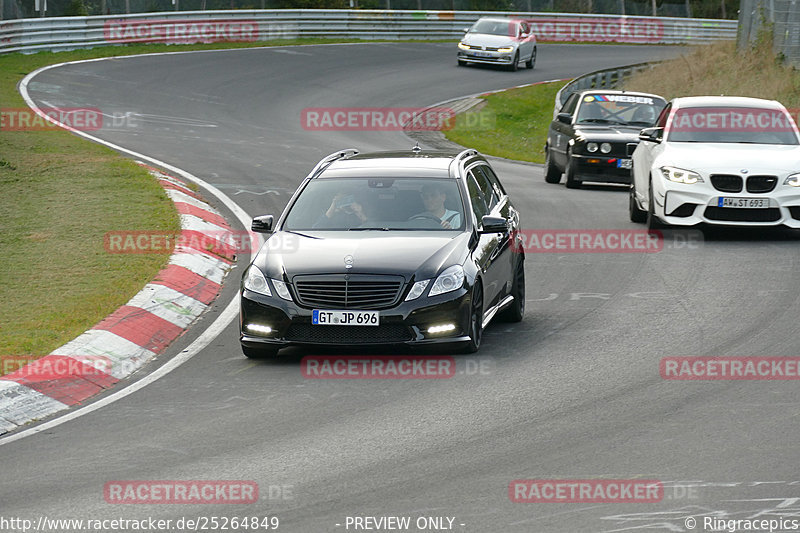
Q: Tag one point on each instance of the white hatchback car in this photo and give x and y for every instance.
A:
(718, 160)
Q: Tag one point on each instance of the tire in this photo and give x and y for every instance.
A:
(571, 183)
(475, 320)
(264, 352)
(532, 61)
(516, 310)
(653, 222)
(515, 63)
(551, 172)
(637, 214)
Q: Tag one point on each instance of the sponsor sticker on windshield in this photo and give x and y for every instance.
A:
(619, 98)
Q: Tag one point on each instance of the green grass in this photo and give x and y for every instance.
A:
(60, 195)
(512, 124)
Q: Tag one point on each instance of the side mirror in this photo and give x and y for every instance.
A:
(564, 118)
(465, 30)
(494, 224)
(652, 135)
(262, 224)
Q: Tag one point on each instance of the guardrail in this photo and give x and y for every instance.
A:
(179, 27)
(608, 78)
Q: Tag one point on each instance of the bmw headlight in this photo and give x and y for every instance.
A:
(450, 280)
(793, 180)
(463, 46)
(679, 175)
(506, 49)
(591, 147)
(256, 282)
(605, 148)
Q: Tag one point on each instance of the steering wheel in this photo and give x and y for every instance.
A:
(423, 216)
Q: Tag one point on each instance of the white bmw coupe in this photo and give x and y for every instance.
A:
(718, 160)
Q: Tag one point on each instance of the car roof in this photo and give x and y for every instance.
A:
(423, 164)
(499, 19)
(626, 93)
(732, 101)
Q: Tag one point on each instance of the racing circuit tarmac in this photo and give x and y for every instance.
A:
(572, 392)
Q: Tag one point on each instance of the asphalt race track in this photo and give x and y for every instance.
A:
(573, 392)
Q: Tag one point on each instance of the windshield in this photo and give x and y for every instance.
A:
(377, 204)
(641, 111)
(492, 27)
(725, 124)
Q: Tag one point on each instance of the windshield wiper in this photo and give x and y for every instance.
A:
(598, 121)
(301, 234)
(368, 229)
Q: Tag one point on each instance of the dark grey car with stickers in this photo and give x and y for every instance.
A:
(595, 132)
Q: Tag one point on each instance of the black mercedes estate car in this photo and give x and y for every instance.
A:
(399, 248)
(594, 133)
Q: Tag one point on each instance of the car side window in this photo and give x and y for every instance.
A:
(569, 105)
(489, 194)
(493, 180)
(476, 197)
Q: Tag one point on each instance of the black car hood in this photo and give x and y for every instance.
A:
(611, 133)
(420, 253)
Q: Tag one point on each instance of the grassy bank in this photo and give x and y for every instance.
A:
(60, 195)
(721, 69)
(512, 124)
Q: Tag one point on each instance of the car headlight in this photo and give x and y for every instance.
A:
(793, 180)
(463, 46)
(605, 148)
(506, 49)
(679, 175)
(591, 147)
(417, 289)
(450, 280)
(282, 289)
(256, 282)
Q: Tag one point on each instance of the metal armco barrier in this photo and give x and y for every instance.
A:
(609, 78)
(69, 33)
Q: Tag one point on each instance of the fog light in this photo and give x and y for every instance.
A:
(258, 328)
(441, 328)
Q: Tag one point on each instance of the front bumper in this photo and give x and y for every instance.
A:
(405, 324)
(601, 168)
(687, 205)
(493, 58)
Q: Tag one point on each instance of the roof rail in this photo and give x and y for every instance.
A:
(327, 160)
(466, 153)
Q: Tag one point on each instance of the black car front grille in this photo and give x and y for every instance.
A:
(348, 291)
(761, 184)
(727, 182)
(733, 214)
(382, 334)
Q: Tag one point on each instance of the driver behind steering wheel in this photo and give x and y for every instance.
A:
(433, 198)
